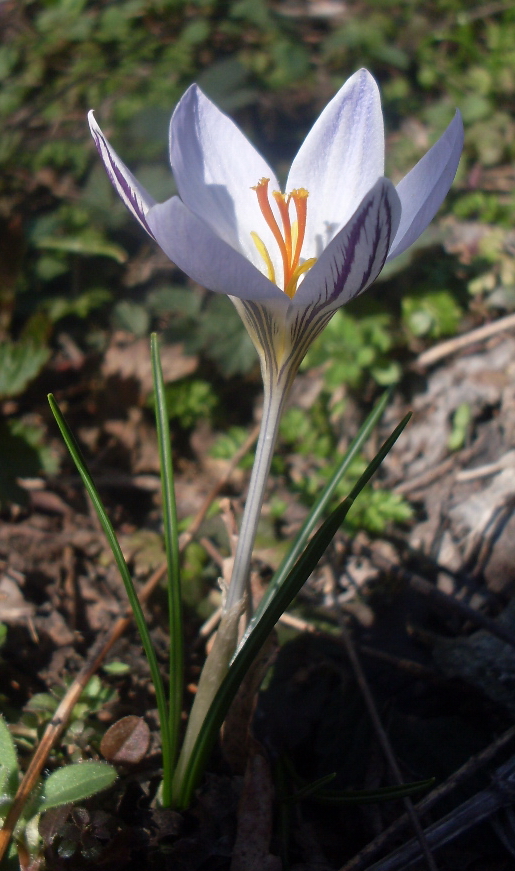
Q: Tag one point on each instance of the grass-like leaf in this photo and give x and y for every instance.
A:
(266, 621)
(134, 602)
(171, 535)
(371, 796)
(317, 512)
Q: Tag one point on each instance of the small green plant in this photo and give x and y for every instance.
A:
(67, 785)
(310, 435)
(460, 427)
(81, 730)
(228, 443)
(29, 456)
(350, 348)
(181, 773)
(433, 314)
(189, 401)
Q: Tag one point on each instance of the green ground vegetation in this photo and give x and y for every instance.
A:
(74, 264)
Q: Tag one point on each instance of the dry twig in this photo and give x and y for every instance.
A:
(445, 349)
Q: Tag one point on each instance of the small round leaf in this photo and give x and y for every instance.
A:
(126, 741)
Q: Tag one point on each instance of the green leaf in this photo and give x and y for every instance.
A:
(76, 782)
(432, 314)
(88, 244)
(170, 730)
(321, 506)
(23, 454)
(223, 338)
(77, 306)
(365, 796)
(116, 550)
(460, 427)
(132, 317)
(8, 763)
(20, 363)
(189, 400)
(274, 607)
(116, 668)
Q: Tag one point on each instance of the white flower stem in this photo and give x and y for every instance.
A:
(273, 402)
(217, 663)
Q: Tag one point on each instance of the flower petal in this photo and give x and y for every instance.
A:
(340, 160)
(134, 195)
(423, 189)
(355, 257)
(215, 167)
(206, 258)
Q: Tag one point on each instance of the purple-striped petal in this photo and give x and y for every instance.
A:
(355, 257)
(424, 188)
(206, 258)
(134, 195)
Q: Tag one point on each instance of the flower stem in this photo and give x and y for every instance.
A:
(216, 666)
(274, 398)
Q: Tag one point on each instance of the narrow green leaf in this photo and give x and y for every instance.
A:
(137, 610)
(75, 783)
(88, 244)
(371, 796)
(276, 606)
(171, 533)
(318, 510)
(309, 789)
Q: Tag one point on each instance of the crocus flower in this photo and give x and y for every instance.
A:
(287, 260)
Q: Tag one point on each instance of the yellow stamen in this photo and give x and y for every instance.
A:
(300, 198)
(291, 288)
(294, 234)
(290, 240)
(261, 247)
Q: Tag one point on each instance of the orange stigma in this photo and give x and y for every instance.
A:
(290, 239)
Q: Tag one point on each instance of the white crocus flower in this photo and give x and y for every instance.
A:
(287, 260)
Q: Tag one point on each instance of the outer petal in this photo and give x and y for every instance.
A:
(423, 189)
(355, 257)
(135, 197)
(215, 167)
(206, 258)
(340, 160)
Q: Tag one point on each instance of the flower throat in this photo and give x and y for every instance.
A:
(290, 239)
